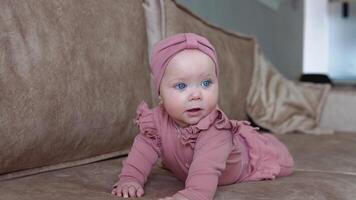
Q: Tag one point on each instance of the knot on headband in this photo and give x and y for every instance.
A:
(191, 42)
(166, 49)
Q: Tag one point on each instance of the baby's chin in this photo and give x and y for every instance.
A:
(192, 120)
(187, 122)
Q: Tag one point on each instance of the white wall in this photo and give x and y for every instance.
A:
(342, 33)
(279, 32)
(316, 37)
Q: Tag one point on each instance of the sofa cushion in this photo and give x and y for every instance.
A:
(71, 76)
(235, 52)
(323, 153)
(301, 185)
(340, 110)
(94, 181)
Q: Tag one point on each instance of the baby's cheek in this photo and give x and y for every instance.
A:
(212, 99)
(173, 103)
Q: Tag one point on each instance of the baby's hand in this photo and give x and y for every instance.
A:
(126, 190)
(174, 197)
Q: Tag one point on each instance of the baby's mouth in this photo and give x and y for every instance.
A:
(194, 110)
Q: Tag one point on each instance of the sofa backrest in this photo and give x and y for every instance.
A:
(71, 75)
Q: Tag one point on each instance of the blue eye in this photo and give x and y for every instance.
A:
(180, 86)
(206, 83)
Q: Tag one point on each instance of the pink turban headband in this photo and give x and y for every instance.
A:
(166, 49)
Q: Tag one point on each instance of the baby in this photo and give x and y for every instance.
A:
(192, 136)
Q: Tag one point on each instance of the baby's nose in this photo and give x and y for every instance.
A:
(195, 94)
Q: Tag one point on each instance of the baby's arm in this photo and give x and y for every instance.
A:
(136, 168)
(209, 161)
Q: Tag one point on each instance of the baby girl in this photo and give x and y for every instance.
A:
(191, 134)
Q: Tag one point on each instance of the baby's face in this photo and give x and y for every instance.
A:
(189, 87)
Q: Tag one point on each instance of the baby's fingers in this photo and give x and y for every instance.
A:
(132, 191)
(139, 192)
(116, 191)
(128, 190)
(125, 191)
(113, 191)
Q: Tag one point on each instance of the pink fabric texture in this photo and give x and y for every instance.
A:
(164, 51)
(216, 151)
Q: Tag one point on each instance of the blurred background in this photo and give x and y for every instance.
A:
(298, 36)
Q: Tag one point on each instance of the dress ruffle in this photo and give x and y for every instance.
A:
(190, 134)
(268, 157)
(216, 118)
(145, 121)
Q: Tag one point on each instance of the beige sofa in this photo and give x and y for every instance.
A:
(71, 75)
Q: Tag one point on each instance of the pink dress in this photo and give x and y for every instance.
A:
(216, 151)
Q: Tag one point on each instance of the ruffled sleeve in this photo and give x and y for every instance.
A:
(146, 123)
(145, 150)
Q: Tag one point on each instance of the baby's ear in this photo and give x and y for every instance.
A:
(160, 101)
